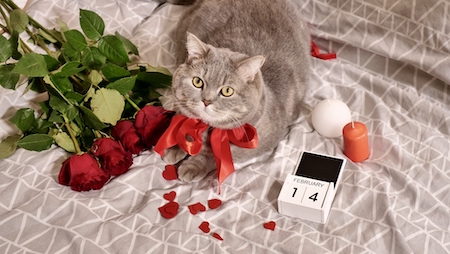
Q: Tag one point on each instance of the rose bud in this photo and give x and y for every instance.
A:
(112, 156)
(82, 173)
(151, 122)
(127, 134)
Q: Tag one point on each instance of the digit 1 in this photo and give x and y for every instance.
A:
(295, 191)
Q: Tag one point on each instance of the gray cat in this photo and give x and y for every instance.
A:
(241, 61)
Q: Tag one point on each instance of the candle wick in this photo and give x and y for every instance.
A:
(353, 124)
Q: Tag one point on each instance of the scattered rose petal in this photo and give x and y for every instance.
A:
(170, 173)
(204, 227)
(195, 208)
(217, 236)
(170, 196)
(270, 225)
(169, 210)
(214, 203)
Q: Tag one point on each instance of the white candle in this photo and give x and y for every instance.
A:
(329, 117)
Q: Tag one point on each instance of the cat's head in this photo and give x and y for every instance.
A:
(218, 86)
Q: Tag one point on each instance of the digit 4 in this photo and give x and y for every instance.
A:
(314, 197)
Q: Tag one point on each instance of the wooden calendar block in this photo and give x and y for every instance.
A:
(309, 193)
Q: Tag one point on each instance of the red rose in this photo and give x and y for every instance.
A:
(151, 122)
(127, 134)
(82, 173)
(112, 156)
(169, 210)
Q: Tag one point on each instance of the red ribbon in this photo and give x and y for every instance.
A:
(315, 52)
(187, 134)
(182, 131)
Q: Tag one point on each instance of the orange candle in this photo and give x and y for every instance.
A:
(356, 141)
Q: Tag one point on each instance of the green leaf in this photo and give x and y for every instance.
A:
(45, 107)
(87, 138)
(123, 85)
(14, 40)
(5, 49)
(76, 39)
(71, 112)
(159, 69)
(57, 103)
(95, 78)
(91, 24)
(8, 79)
(74, 97)
(63, 140)
(69, 53)
(75, 129)
(19, 20)
(36, 84)
(52, 63)
(108, 105)
(36, 142)
(113, 72)
(55, 34)
(47, 36)
(128, 44)
(91, 119)
(41, 126)
(61, 82)
(8, 146)
(31, 65)
(155, 79)
(55, 117)
(114, 50)
(23, 119)
(92, 58)
(71, 68)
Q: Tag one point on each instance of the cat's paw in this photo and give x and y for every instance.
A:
(174, 155)
(190, 172)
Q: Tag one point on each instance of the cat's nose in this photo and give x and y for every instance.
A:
(206, 102)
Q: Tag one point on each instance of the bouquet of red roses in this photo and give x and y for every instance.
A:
(100, 106)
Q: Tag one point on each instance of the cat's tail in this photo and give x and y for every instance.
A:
(177, 2)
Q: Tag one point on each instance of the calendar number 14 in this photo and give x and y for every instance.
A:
(313, 197)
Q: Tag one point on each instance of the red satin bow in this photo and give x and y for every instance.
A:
(187, 133)
(315, 52)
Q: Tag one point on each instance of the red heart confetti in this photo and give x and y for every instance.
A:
(169, 210)
(214, 203)
(217, 236)
(270, 225)
(204, 227)
(170, 196)
(195, 208)
(170, 172)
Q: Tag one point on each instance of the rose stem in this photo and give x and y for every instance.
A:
(9, 30)
(127, 97)
(34, 23)
(72, 136)
(8, 24)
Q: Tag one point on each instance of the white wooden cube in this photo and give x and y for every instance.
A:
(309, 193)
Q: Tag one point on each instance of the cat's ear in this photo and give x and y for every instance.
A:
(248, 68)
(195, 47)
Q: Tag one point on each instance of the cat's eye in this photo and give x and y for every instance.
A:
(197, 82)
(227, 91)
